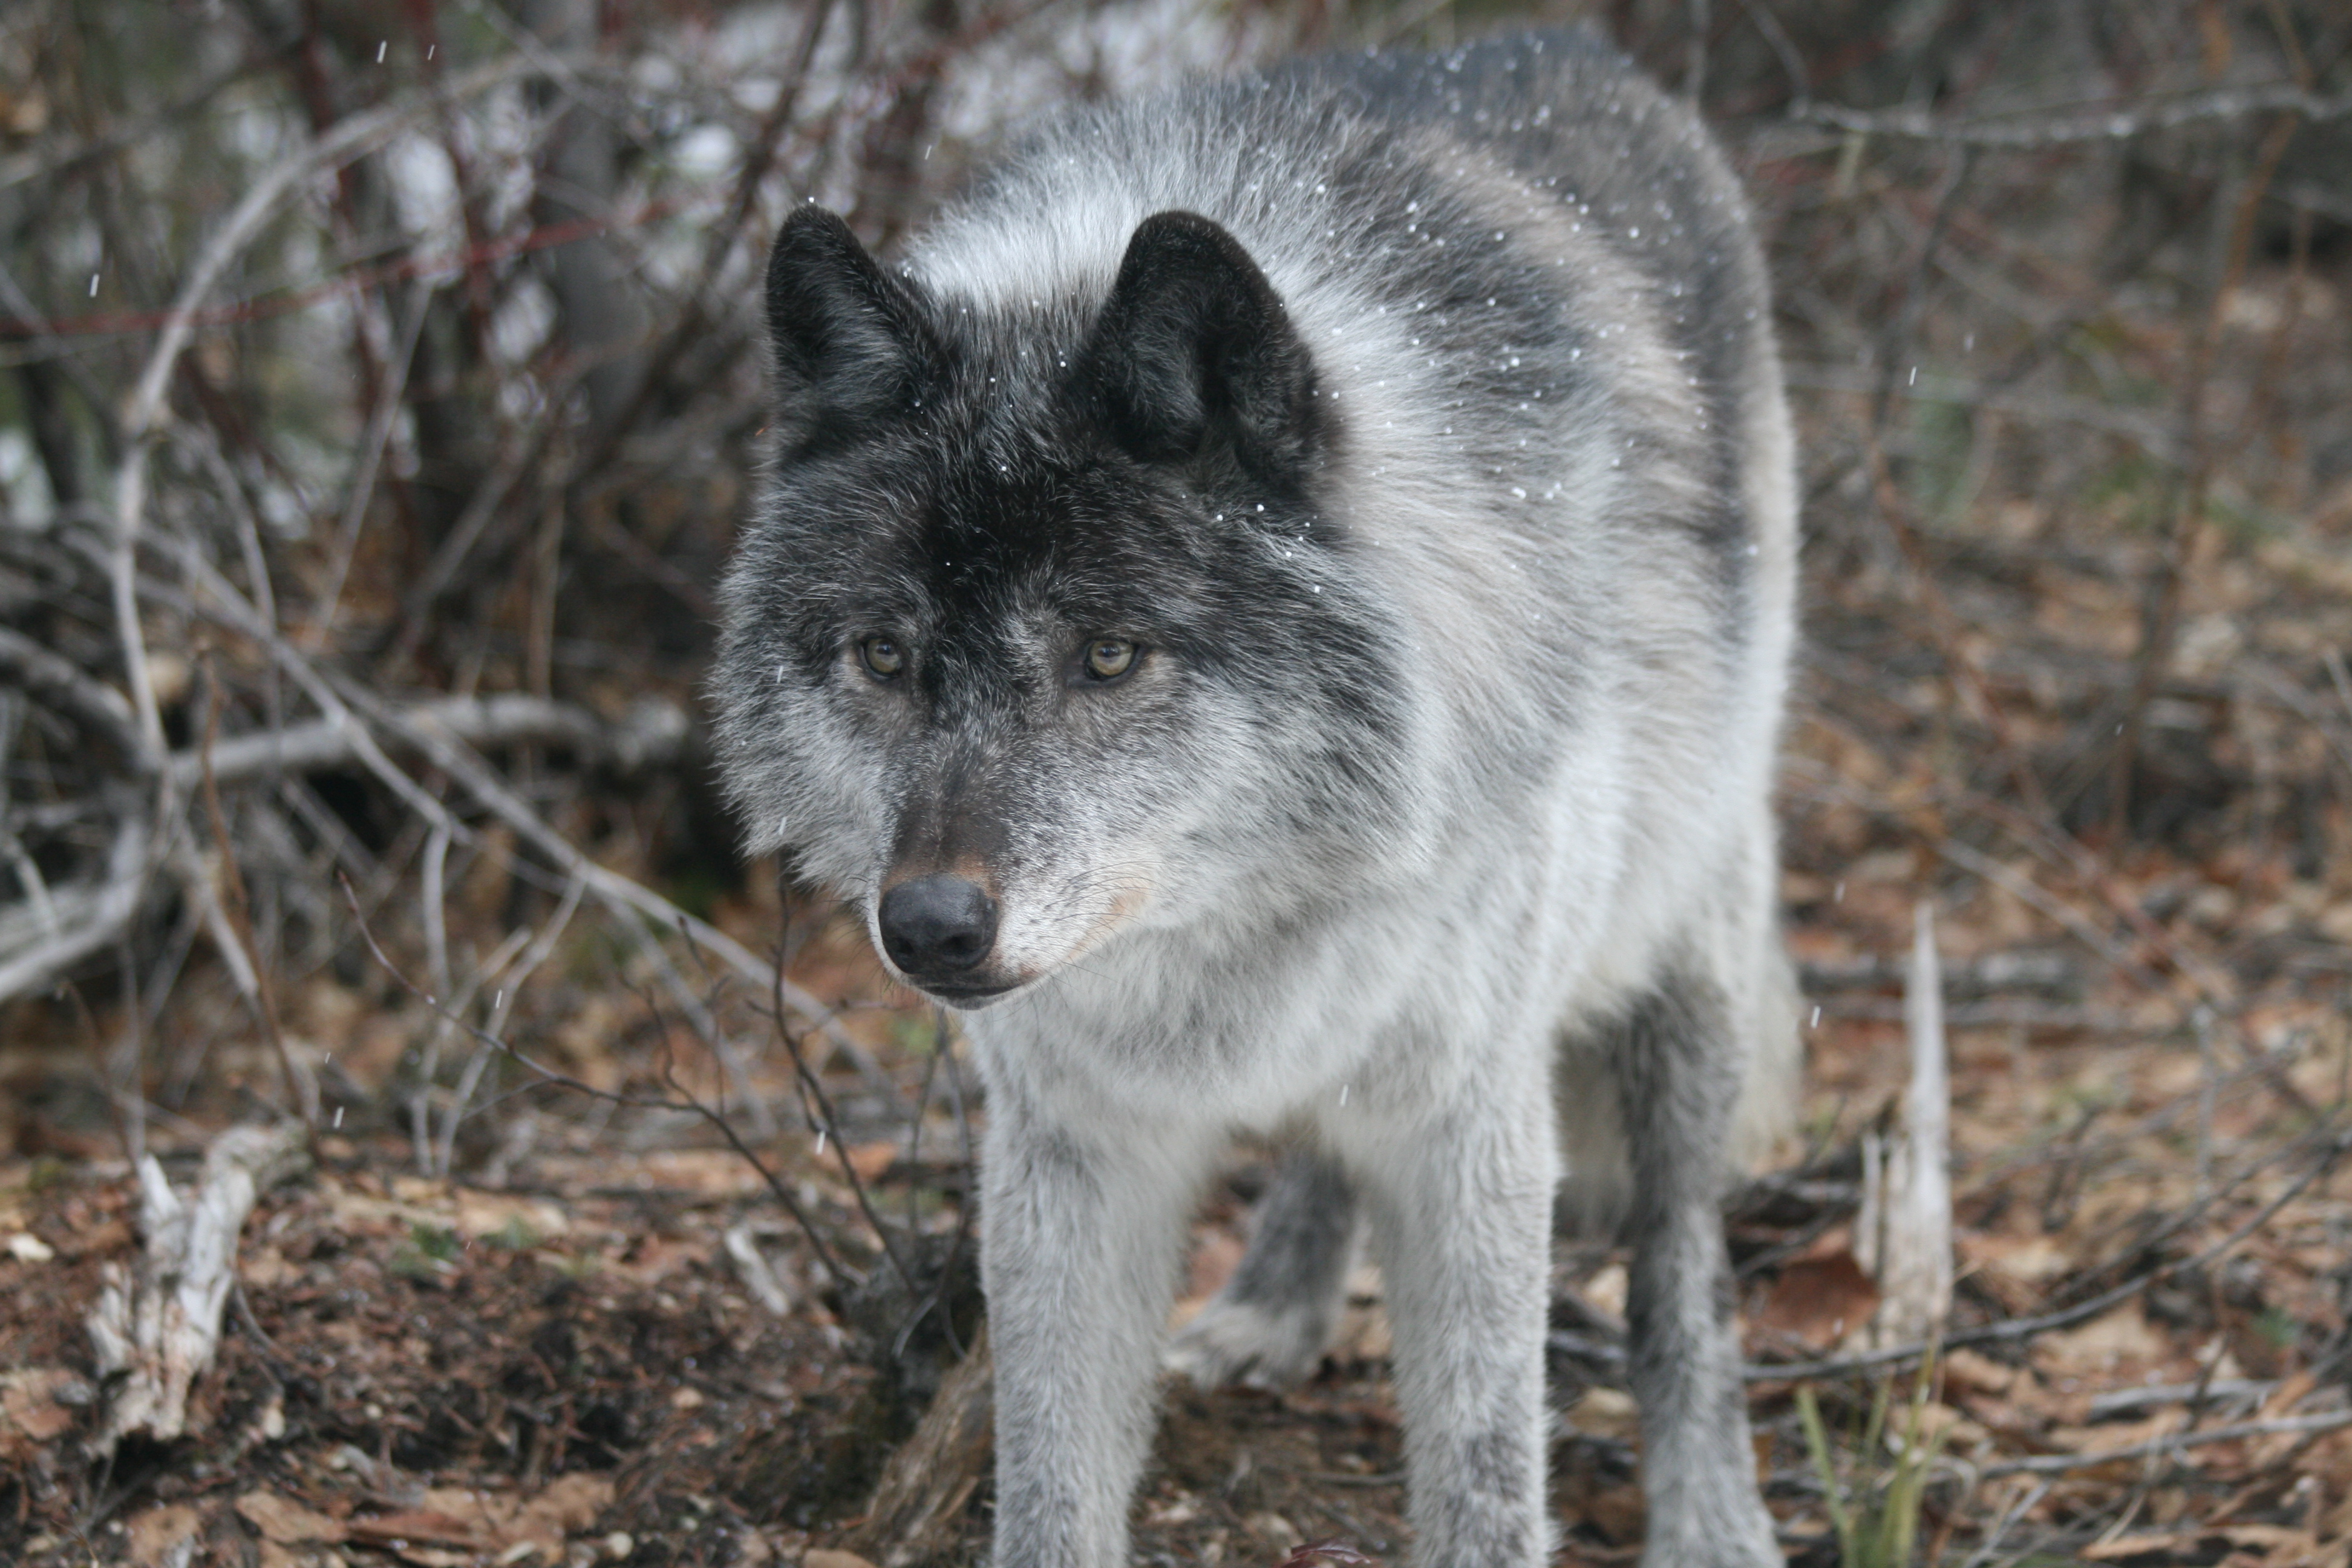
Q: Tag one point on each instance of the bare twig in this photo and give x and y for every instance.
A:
(2030, 129)
(2057, 1464)
(776, 1187)
(509, 984)
(301, 1087)
(653, 734)
(82, 919)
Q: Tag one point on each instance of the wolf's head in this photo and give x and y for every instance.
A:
(1042, 632)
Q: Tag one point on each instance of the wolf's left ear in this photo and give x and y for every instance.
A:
(1194, 345)
(849, 339)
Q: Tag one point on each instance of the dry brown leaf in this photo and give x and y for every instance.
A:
(483, 1213)
(30, 1413)
(1605, 1413)
(2137, 1543)
(286, 1523)
(2278, 1542)
(2113, 1435)
(566, 1506)
(417, 1527)
(822, 1558)
(873, 1161)
(2113, 1347)
(1619, 1512)
(1974, 1372)
(156, 1532)
(1814, 1302)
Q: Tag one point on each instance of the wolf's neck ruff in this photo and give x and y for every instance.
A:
(1283, 590)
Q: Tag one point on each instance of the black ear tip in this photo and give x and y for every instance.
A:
(812, 231)
(1187, 237)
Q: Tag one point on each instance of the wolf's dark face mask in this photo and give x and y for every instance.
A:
(1040, 595)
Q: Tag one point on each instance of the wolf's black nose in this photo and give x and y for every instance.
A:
(938, 925)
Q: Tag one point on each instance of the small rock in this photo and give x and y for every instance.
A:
(1274, 1530)
(26, 1248)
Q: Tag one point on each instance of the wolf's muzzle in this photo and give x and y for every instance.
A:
(938, 930)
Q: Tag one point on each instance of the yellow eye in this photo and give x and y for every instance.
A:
(1109, 658)
(882, 656)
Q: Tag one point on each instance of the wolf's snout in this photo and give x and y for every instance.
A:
(934, 926)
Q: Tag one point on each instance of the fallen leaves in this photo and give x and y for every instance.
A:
(449, 1526)
(1816, 1303)
(37, 1406)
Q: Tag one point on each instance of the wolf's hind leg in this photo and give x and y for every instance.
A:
(1269, 1324)
(1678, 1069)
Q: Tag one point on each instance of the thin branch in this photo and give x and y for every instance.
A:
(654, 735)
(2055, 1464)
(144, 409)
(89, 916)
(776, 1187)
(2048, 130)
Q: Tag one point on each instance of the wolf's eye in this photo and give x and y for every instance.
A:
(1109, 658)
(882, 657)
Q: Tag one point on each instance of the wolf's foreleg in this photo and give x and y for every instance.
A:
(1269, 1324)
(1678, 1075)
(1079, 1229)
(1461, 1204)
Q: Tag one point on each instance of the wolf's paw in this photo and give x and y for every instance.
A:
(1743, 1541)
(1246, 1343)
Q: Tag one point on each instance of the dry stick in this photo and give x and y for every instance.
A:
(501, 1007)
(811, 1088)
(2017, 1511)
(30, 328)
(2044, 130)
(2065, 1317)
(100, 913)
(430, 1160)
(2160, 621)
(2053, 1464)
(2211, 984)
(301, 1087)
(1800, 85)
(461, 763)
(145, 409)
(942, 1049)
(502, 718)
(433, 898)
(59, 683)
(389, 393)
(757, 163)
(613, 890)
(231, 609)
(475, 520)
(691, 1103)
(2028, 891)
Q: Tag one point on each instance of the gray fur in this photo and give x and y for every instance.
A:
(1429, 445)
(1269, 1324)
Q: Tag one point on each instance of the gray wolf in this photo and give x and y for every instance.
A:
(1278, 604)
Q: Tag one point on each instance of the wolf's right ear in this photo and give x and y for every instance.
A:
(1194, 344)
(849, 339)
